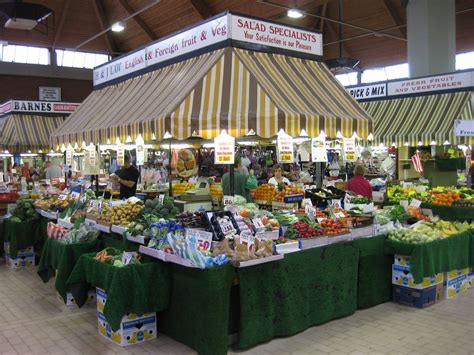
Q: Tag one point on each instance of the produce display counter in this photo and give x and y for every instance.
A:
(58, 259)
(138, 288)
(451, 213)
(451, 253)
(22, 235)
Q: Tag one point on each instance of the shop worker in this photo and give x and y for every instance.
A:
(240, 182)
(359, 184)
(127, 177)
(52, 171)
(278, 179)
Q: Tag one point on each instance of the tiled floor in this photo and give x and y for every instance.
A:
(33, 321)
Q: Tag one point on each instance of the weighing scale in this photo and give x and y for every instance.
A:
(197, 199)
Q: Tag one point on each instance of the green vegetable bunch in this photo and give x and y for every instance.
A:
(24, 210)
(166, 210)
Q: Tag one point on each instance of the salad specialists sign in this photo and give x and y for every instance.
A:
(218, 30)
(275, 35)
(284, 147)
(38, 107)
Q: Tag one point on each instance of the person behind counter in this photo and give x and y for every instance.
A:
(127, 177)
(278, 177)
(240, 182)
(359, 184)
(52, 171)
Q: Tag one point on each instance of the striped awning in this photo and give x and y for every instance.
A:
(23, 132)
(420, 119)
(230, 89)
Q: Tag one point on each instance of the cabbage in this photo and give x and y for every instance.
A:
(239, 200)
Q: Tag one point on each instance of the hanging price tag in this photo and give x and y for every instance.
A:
(204, 239)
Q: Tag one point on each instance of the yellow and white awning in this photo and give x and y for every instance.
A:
(230, 89)
(23, 132)
(420, 119)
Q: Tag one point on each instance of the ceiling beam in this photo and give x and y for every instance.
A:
(201, 8)
(305, 6)
(62, 20)
(104, 23)
(151, 35)
(397, 19)
(323, 15)
(331, 26)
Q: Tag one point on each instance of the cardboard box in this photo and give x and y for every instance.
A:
(402, 276)
(402, 260)
(453, 274)
(418, 298)
(131, 332)
(101, 298)
(454, 287)
(22, 252)
(71, 302)
(25, 260)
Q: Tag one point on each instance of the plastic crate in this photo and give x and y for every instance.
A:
(418, 298)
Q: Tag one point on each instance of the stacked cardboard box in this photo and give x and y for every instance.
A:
(134, 328)
(25, 257)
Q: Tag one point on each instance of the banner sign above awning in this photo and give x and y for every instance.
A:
(37, 107)
(241, 29)
(464, 128)
(445, 82)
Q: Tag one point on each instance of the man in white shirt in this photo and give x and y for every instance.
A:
(52, 171)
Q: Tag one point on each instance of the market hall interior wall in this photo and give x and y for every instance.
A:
(21, 81)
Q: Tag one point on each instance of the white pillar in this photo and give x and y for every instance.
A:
(431, 37)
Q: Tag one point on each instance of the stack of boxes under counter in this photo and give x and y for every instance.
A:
(24, 258)
(134, 328)
(431, 290)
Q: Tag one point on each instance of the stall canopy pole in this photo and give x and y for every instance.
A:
(232, 187)
(169, 171)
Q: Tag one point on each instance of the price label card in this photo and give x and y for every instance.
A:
(311, 212)
(427, 212)
(161, 199)
(404, 203)
(247, 239)
(257, 222)
(339, 215)
(415, 203)
(320, 219)
(228, 200)
(62, 197)
(336, 203)
(127, 257)
(227, 227)
(204, 239)
(75, 195)
(307, 202)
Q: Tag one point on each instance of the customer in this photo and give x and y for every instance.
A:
(359, 184)
(52, 171)
(240, 182)
(278, 179)
(127, 177)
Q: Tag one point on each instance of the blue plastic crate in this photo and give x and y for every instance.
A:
(418, 298)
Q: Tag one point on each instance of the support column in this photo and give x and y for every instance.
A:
(431, 37)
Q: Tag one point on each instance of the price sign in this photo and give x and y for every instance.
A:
(339, 215)
(92, 155)
(320, 219)
(285, 148)
(415, 203)
(62, 197)
(311, 212)
(127, 257)
(336, 203)
(427, 212)
(161, 199)
(247, 239)
(204, 239)
(226, 227)
(404, 203)
(75, 195)
(120, 154)
(228, 200)
(69, 155)
(349, 149)
(258, 224)
(318, 150)
(224, 149)
(307, 202)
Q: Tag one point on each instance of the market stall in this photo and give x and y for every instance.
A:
(430, 115)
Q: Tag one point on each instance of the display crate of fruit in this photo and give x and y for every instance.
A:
(322, 197)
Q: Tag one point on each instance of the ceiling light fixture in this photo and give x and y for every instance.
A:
(295, 13)
(118, 26)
